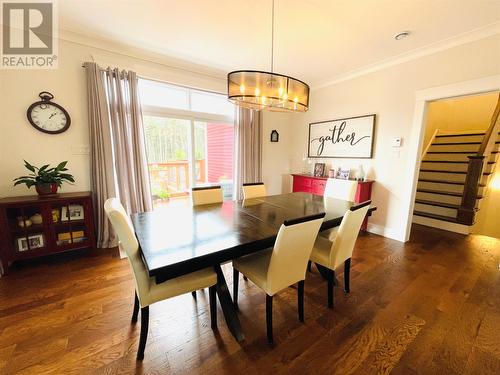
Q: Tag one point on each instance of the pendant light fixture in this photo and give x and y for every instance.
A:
(258, 90)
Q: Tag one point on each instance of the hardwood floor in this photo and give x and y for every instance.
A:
(431, 306)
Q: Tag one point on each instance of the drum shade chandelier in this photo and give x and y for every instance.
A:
(258, 90)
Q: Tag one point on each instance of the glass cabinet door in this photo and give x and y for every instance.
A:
(68, 221)
(27, 228)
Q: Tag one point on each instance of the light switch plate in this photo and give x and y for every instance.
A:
(396, 142)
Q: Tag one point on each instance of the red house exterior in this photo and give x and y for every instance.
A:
(220, 152)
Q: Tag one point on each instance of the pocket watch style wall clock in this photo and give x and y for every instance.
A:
(47, 116)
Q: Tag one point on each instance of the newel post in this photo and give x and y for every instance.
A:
(467, 208)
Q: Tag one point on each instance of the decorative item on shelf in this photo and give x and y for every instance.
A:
(343, 138)
(23, 222)
(35, 242)
(331, 173)
(75, 212)
(275, 137)
(55, 215)
(36, 219)
(258, 90)
(319, 169)
(73, 237)
(48, 117)
(45, 179)
(343, 173)
(360, 174)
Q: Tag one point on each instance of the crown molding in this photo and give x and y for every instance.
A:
(467, 37)
(111, 46)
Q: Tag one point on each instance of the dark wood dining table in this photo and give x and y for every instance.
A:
(177, 240)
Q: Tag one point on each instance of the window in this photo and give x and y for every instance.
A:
(189, 138)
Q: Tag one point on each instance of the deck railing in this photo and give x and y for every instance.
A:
(173, 177)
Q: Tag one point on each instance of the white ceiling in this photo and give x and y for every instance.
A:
(315, 40)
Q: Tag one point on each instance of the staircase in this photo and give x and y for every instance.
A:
(454, 175)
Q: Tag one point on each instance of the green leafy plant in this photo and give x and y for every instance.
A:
(160, 193)
(45, 175)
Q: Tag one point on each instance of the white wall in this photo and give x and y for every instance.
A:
(390, 94)
(276, 155)
(19, 88)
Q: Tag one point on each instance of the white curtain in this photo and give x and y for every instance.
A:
(248, 148)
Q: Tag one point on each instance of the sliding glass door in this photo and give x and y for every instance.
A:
(186, 147)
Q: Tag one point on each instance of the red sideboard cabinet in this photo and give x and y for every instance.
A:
(316, 185)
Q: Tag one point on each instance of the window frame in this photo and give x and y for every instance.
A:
(192, 116)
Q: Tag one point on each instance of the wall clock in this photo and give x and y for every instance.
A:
(47, 116)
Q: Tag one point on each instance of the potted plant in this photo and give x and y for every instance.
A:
(46, 179)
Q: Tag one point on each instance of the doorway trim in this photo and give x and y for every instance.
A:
(422, 98)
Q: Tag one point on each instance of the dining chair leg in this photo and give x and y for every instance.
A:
(213, 305)
(136, 308)
(347, 274)
(236, 279)
(330, 279)
(144, 332)
(300, 300)
(309, 267)
(269, 318)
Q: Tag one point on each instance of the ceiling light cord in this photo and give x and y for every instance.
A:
(272, 37)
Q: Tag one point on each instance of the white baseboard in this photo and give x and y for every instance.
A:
(444, 225)
(385, 232)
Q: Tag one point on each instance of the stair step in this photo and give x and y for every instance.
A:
(458, 135)
(452, 152)
(441, 181)
(454, 172)
(451, 182)
(439, 171)
(442, 192)
(445, 161)
(434, 216)
(438, 204)
(456, 143)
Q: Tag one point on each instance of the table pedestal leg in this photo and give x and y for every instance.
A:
(232, 320)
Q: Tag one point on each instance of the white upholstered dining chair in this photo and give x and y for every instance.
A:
(206, 195)
(341, 189)
(254, 190)
(285, 264)
(147, 291)
(330, 254)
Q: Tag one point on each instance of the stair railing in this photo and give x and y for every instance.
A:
(477, 164)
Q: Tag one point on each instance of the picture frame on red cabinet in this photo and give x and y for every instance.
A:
(319, 169)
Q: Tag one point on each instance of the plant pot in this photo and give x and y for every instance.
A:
(46, 189)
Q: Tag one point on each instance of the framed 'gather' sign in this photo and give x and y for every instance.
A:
(343, 138)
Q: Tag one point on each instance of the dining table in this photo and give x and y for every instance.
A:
(175, 240)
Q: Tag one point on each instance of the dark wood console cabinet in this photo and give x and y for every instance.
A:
(31, 226)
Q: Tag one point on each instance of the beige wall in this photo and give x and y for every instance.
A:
(276, 156)
(461, 114)
(390, 94)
